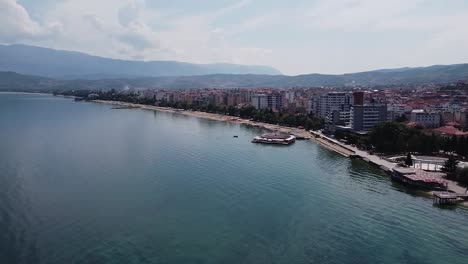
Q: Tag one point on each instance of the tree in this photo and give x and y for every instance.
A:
(408, 160)
(390, 137)
(450, 167)
(401, 119)
(462, 175)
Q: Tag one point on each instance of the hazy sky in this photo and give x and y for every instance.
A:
(294, 36)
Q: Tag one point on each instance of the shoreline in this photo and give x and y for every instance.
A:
(212, 116)
(322, 140)
(10, 92)
(219, 117)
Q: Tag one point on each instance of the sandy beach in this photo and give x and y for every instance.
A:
(218, 117)
(295, 131)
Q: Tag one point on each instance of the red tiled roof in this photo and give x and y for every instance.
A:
(411, 124)
(454, 124)
(420, 175)
(450, 130)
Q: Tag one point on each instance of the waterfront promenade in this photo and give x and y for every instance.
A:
(334, 146)
(355, 152)
(383, 164)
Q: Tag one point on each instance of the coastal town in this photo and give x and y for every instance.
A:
(234, 131)
(441, 109)
(343, 119)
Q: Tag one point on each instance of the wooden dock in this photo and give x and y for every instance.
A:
(448, 198)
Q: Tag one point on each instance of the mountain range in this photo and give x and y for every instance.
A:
(61, 64)
(25, 67)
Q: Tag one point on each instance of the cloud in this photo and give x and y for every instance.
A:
(93, 21)
(448, 43)
(99, 28)
(355, 14)
(130, 12)
(127, 29)
(139, 36)
(327, 36)
(17, 25)
(135, 33)
(230, 8)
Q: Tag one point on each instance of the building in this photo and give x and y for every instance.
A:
(232, 99)
(330, 102)
(313, 105)
(275, 101)
(364, 117)
(290, 96)
(358, 98)
(426, 119)
(267, 101)
(418, 178)
(259, 101)
(397, 110)
(462, 118)
(331, 106)
(447, 117)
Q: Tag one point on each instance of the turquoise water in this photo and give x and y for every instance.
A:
(84, 183)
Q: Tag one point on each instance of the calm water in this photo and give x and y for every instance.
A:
(84, 183)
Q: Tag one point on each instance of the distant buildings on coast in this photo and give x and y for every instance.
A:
(443, 109)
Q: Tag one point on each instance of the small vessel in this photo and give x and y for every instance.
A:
(236, 136)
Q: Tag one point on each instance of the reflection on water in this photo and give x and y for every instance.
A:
(18, 243)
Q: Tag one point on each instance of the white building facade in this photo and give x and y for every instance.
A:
(426, 119)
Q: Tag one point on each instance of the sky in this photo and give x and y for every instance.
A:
(295, 37)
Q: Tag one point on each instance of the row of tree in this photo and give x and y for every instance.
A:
(454, 172)
(308, 121)
(393, 137)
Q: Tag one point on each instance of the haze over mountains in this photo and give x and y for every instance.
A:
(25, 67)
(61, 64)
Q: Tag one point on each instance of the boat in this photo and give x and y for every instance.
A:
(235, 136)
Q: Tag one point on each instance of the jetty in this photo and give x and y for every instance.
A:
(448, 198)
